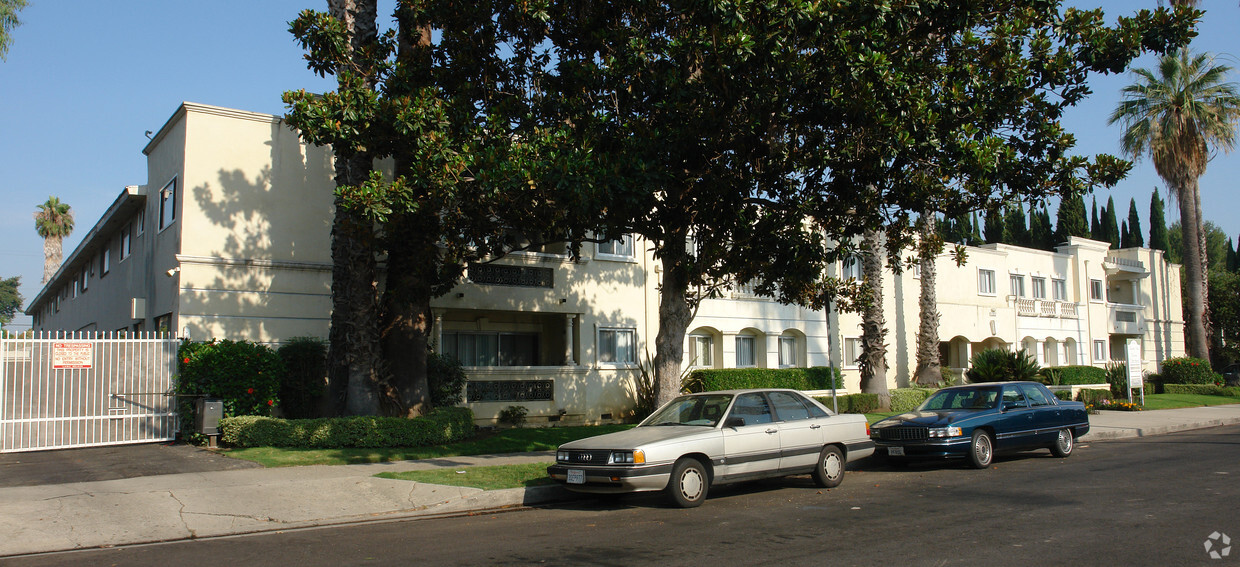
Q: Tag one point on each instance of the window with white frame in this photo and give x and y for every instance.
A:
(851, 268)
(1100, 350)
(1095, 290)
(1059, 290)
(616, 346)
(86, 277)
(701, 350)
(852, 352)
(1017, 284)
(745, 350)
(125, 243)
(1039, 287)
(168, 204)
(787, 352)
(985, 282)
(139, 222)
(620, 248)
(105, 259)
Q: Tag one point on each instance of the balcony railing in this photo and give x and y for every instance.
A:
(1048, 308)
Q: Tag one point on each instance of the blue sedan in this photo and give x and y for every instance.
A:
(978, 420)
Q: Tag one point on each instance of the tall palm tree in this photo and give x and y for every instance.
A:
(1178, 115)
(929, 371)
(53, 222)
(873, 361)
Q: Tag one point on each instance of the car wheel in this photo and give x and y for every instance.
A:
(981, 450)
(689, 483)
(1063, 444)
(830, 470)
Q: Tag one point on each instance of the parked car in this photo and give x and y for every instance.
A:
(978, 420)
(697, 441)
(1231, 375)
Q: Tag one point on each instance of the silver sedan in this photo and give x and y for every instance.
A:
(701, 440)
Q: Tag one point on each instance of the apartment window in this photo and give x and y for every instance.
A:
(1039, 287)
(986, 282)
(76, 284)
(616, 346)
(168, 204)
(851, 268)
(1100, 350)
(105, 259)
(1017, 284)
(744, 351)
(787, 352)
(701, 349)
(1059, 290)
(1095, 290)
(125, 243)
(491, 349)
(139, 222)
(917, 271)
(86, 277)
(852, 352)
(621, 247)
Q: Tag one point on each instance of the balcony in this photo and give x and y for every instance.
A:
(1047, 308)
(1126, 319)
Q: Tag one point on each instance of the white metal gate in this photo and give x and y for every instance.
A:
(86, 389)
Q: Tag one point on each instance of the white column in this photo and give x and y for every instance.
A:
(569, 346)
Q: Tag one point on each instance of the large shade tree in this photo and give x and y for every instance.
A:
(8, 21)
(54, 222)
(1177, 114)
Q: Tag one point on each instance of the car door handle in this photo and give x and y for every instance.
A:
(815, 426)
(772, 431)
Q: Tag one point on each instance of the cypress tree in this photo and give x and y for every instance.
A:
(1158, 223)
(1134, 226)
(975, 231)
(1040, 233)
(1070, 219)
(1095, 229)
(1110, 224)
(1124, 240)
(1015, 227)
(994, 231)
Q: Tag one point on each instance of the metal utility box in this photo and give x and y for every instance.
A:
(208, 414)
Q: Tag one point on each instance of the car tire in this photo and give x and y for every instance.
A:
(689, 483)
(830, 470)
(1064, 443)
(981, 450)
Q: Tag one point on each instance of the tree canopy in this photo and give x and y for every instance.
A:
(10, 299)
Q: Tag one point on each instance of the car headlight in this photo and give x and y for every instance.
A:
(561, 456)
(627, 457)
(945, 432)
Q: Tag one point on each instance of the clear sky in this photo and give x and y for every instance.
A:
(85, 79)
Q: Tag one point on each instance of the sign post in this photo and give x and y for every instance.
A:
(1136, 378)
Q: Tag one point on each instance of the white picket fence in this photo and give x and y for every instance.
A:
(68, 390)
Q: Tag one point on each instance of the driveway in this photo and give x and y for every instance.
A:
(110, 463)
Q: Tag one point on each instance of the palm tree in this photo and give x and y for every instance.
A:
(929, 371)
(1177, 116)
(53, 222)
(873, 361)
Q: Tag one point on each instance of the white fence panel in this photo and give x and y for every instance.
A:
(86, 389)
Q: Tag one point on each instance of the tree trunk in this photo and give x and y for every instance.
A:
(53, 254)
(406, 321)
(873, 331)
(928, 372)
(1196, 338)
(674, 318)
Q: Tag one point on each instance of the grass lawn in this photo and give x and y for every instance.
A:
(1172, 401)
(486, 478)
(506, 441)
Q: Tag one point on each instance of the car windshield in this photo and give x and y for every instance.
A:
(691, 410)
(961, 398)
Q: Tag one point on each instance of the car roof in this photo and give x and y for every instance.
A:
(982, 384)
(742, 391)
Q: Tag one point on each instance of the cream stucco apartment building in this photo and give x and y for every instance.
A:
(230, 238)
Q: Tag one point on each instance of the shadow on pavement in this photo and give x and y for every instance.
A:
(110, 463)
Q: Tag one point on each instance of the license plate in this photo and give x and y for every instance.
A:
(895, 451)
(576, 476)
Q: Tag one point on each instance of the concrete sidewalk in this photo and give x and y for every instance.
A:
(168, 507)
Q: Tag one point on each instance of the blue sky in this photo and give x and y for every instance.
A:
(85, 79)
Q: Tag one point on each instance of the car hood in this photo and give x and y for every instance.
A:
(929, 418)
(640, 437)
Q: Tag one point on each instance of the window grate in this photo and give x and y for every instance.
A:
(510, 390)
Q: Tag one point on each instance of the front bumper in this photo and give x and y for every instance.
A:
(948, 448)
(613, 479)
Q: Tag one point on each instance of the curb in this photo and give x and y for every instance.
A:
(1132, 432)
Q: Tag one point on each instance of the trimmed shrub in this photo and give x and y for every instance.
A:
(246, 376)
(1188, 370)
(1065, 395)
(446, 380)
(1201, 389)
(907, 399)
(853, 403)
(305, 376)
(1117, 377)
(442, 425)
(1093, 397)
(997, 365)
(816, 378)
(1075, 375)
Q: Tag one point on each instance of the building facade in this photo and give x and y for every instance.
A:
(230, 238)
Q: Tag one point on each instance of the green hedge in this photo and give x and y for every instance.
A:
(1093, 397)
(1065, 395)
(1188, 370)
(854, 403)
(1075, 375)
(1201, 389)
(907, 399)
(816, 378)
(443, 425)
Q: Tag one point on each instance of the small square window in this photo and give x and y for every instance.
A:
(852, 352)
(1017, 285)
(986, 282)
(168, 204)
(744, 351)
(1059, 289)
(1100, 351)
(1095, 290)
(616, 346)
(1039, 287)
(787, 352)
(622, 247)
(701, 350)
(851, 268)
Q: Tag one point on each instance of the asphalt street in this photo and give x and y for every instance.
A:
(1148, 501)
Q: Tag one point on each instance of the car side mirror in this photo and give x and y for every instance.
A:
(734, 421)
(1010, 405)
